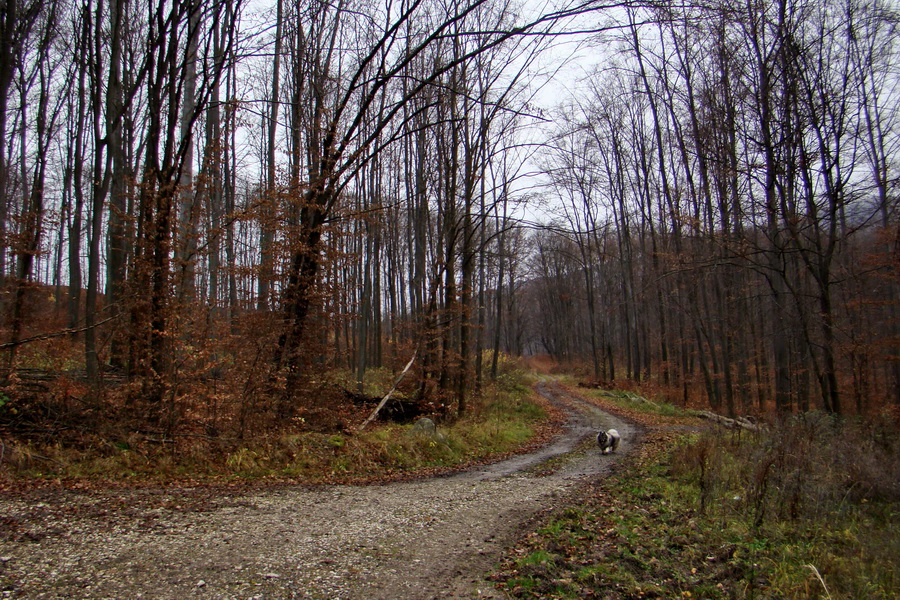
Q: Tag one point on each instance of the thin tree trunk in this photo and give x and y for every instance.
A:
(267, 232)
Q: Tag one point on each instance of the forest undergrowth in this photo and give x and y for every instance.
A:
(805, 508)
(60, 434)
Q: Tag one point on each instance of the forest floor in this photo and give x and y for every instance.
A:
(427, 538)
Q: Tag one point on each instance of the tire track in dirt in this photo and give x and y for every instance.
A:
(428, 538)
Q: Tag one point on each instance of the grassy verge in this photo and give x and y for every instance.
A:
(505, 418)
(808, 509)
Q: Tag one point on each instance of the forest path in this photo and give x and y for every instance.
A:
(428, 538)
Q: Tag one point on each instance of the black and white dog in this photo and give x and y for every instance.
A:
(608, 441)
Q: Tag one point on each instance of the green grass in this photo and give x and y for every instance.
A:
(702, 517)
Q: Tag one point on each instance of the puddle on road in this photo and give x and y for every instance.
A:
(571, 454)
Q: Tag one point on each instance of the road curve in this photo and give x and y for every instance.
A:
(429, 538)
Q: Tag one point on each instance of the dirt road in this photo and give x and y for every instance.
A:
(431, 538)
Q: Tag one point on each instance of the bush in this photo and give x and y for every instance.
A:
(811, 466)
(819, 494)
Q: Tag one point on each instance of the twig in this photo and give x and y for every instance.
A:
(48, 336)
(46, 458)
(821, 580)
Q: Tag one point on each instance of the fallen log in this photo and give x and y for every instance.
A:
(737, 423)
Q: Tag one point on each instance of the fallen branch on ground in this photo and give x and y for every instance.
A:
(391, 392)
(55, 334)
(738, 423)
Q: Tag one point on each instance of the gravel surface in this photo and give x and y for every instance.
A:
(430, 538)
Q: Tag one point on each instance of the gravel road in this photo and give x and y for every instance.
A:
(430, 538)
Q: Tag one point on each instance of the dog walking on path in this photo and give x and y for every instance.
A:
(608, 441)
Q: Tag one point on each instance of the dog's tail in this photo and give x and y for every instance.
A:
(615, 438)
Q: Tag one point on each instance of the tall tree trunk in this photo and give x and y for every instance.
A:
(116, 233)
(16, 21)
(100, 180)
(79, 158)
(33, 208)
(188, 197)
(267, 226)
